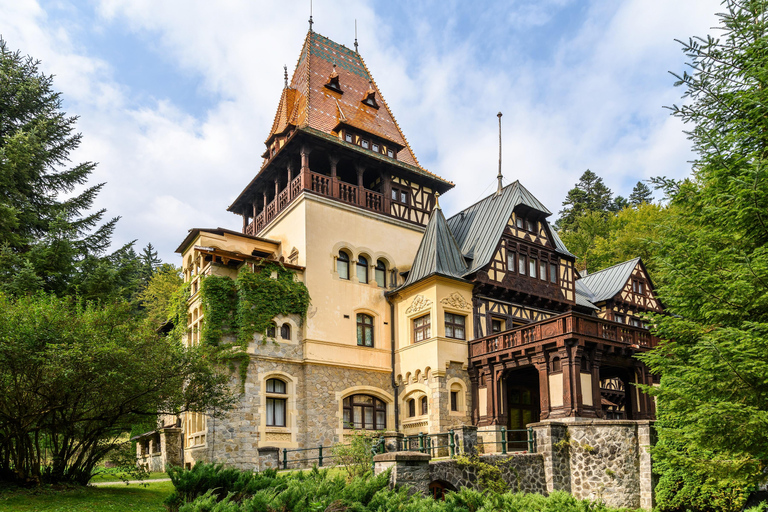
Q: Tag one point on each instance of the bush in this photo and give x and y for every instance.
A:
(356, 457)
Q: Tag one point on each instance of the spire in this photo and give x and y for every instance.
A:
(499, 177)
(356, 37)
(310, 16)
(437, 202)
(285, 76)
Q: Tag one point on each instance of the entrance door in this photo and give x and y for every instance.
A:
(523, 406)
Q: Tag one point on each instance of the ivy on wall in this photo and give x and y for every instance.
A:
(240, 308)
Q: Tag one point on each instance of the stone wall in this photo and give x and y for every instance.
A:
(522, 472)
(598, 460)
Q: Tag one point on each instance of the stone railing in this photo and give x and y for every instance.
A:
(567, 324)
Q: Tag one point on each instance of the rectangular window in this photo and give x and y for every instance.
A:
(530, 225)
(424, 405)
(411, 408)
(552, 273)
(454, 400)
(421, 329)
(454, 326)
(375, 147)
(521, 264)
(497, 325)
(381, 276)
(365, 144)
(390, 153)
(403, 197)
(510, 262)
(519, 222)
(543, 270)
(532, 267)
(348, 137)
(619, 318)
(275, 412)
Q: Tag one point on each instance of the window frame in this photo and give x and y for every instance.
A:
(273, 399)
(543, 269)
(502, 324)
(424, 405)
(377, 405)
(361, 269)
(342, 263)
(425, 329)
(285, 331)
(522, 264)
(553, 271)
(453, 325)
(454, 401)
(533, 267)
(381, 267)
(362, 328)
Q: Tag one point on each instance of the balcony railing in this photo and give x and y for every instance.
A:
(322, 185)
(571, 324)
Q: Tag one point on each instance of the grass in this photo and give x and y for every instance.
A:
(113, 498)
(112, 477)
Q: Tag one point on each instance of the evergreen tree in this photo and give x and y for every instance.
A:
(590, 194)
(150, 262)
(640, 194)
(714, 258)
(49, 242)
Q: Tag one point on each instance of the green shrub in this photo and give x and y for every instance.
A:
(355, 456)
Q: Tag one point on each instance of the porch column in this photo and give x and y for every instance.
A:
(245, 220)
(360, 189)
(540, 363)
(306, 182)
(597, 397)
(574, 373)
(565, 365)
(475, 384)
(265, 201)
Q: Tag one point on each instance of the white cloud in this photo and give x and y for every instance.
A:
(596, 103)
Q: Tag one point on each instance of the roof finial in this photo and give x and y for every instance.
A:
(437, 202)
(310, 16)
(356, 36)
(285, 75)
(499, 177)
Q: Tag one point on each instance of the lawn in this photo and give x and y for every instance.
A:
(114, 498)
(112, 477)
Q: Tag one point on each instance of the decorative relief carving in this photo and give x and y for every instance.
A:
(456, 300)
(278, 436)
(419, 302)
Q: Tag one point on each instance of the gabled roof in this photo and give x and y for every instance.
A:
(315, 106)
(438, 252)
(583, 296)
(478, 228)
(605, 284)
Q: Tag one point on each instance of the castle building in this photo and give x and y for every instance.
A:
(418, 323)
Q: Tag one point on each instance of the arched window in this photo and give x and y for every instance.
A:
(276, 401)
(342, 265)
(411, 407)
(362, 269)
(364, 330)
(381, 274)
(364, 412)
(424, 405)
(271, 330)
(285, 331)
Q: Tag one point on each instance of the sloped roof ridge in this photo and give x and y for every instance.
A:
(438, 252)
(606, 269)
(605, 284)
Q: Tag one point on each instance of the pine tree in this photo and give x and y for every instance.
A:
(45, 238)
(640, 194)
(150, 262)
(590, 194)
(713, 397)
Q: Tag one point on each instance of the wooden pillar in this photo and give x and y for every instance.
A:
(540, 362)
(597, 398)
(577, 404)
(265, 200)
(277, 187)
(306, 182)
(474, 382)
(245, 221)
(386, 188)
(360, 189)
(565, 365)
(489, 389)
(253, 205)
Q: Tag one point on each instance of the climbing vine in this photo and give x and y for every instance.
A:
(239, 308)
(489, 475)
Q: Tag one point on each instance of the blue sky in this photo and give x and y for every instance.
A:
(175, 98)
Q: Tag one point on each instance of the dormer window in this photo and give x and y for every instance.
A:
(530, 225)
(370, 97)
(375, 147)
(348, 137)
(519, 222)
(365, 144)
(390, 153)
(333, 81)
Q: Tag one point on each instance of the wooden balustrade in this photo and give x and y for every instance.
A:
(570, 324)
(347, 192)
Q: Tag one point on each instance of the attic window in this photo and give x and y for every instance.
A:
(333, 81)
(348, 137)
(390, 153)
(370, 97)
(519, 222)
(375, 147)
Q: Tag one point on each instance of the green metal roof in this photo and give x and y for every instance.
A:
(438, 253)
(605, 284)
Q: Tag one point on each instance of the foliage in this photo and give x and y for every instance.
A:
(582, 237)
(246, 305)
(75, 377)
(49, 239)
(355, 456)
(640, 194)
(714, 259)
(322, 491)
(590, 194)
(489, 476)
(156, 298)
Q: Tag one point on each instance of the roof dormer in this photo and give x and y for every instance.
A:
(370, 97)
(333, 81)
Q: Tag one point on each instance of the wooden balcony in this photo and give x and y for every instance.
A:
(330, 187)
(567, 325)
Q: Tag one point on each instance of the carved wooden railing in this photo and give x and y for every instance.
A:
(325, 186)
(565, 324)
